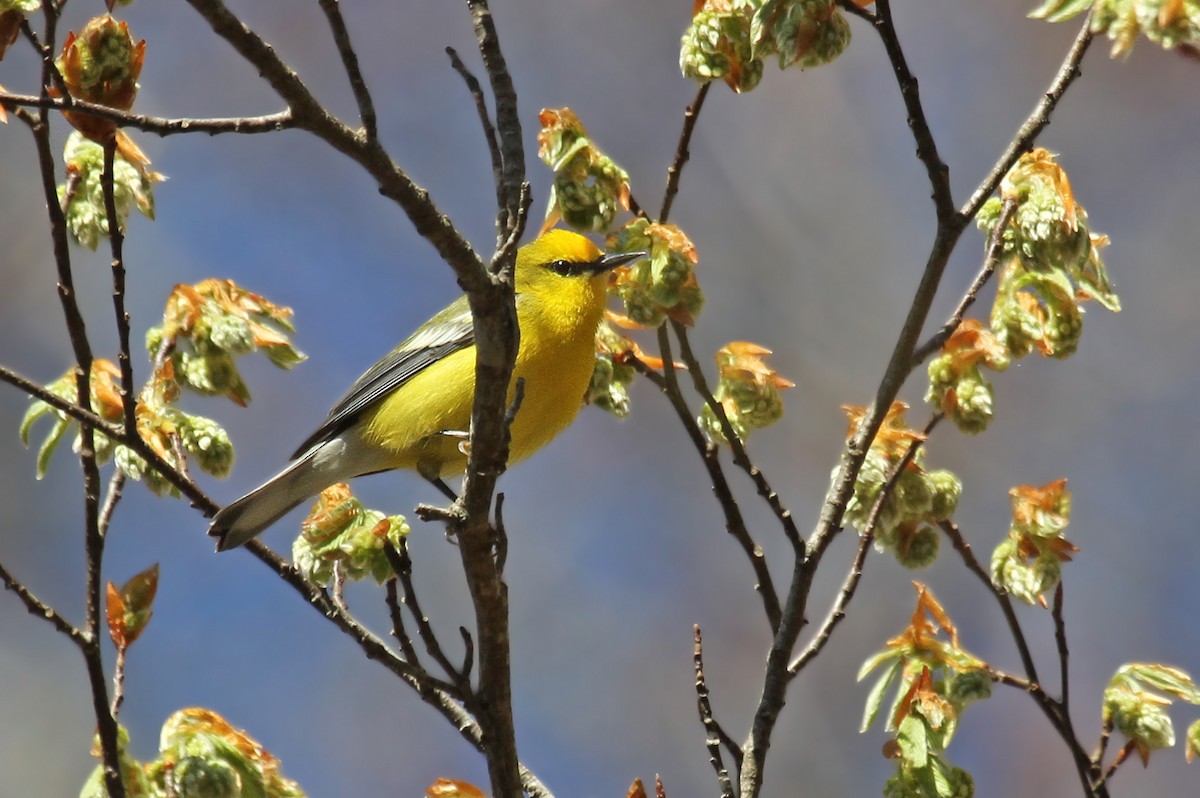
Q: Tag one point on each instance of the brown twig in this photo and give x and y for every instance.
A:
(712, 739)
(358, 86)
(40, 609)
(106, 726)
(682, 151)
(866, 538)
(401, 563)
(735, 524)
(741, 458)
(268, 123)
(1035, 122)
(118, 682)
(116, 240)
(994, 251)
(927, 152)
(485, 121)
(1054, 710)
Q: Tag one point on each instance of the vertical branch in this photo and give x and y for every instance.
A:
(116, 239)
(106, 726)
(511, 219)
(682, 151)
(712, 736)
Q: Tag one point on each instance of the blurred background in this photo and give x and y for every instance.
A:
(812, 220)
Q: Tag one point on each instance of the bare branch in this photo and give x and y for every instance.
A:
(682, 151)
(712, 736)
(741, 457)
(489, 130)
(268, 123)
(735, 524)
(995, 248)
(39, 609)
(927, 152)
(116, 240)
(362, 95)
(1036, 121)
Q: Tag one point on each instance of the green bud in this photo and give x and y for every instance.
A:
(340, 530)
(945, 490)
(84, 209)
(717, 46)
(968, 687)
(609, 386)
(211, 374)
(22, 6)
(917, 547)
(136, 468)
(197, 777)
(1027, 580)
(231, 334)
(810, 33)
(205, 440)
(912, 492)
(972, 408)
(1144, 721)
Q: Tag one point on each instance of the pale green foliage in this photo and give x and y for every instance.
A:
(84, 190)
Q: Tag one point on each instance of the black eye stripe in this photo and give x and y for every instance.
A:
(561, 267)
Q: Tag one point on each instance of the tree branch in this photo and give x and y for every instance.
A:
(268, 123)
(362, 95)
(713, 736)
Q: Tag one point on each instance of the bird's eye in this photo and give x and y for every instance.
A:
(562, 267)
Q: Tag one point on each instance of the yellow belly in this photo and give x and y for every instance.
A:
(411, 424)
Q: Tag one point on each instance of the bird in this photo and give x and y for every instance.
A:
(411, 409)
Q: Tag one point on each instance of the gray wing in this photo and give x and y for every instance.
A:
(443, 335)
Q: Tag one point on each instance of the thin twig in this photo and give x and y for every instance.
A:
(485, 121)
(106, 726)
(1060, 642)
(118, 681)
(1035, 122)
(1002, 598)
(362, 95)
(927, 152)
(40, 609)
(735, 524)
(682, 151)
(1106, 731)
(995, 249)
(116, 240)
(161, 126)
(1054, 710)
(111, 497)
(337, 590)
(737, 446)
(392, 599)
(865, 538)
(712, 740)
(401, 563)
(1118, 760)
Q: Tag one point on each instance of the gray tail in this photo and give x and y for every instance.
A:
(244, 519)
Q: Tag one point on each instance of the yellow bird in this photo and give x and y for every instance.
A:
(413, 407)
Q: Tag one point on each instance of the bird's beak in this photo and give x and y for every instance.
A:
(613, 260)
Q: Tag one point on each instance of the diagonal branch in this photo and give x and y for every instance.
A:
(866, 538)
(1035, 122)
(735, 524)
(40, 609)
(995, 249)
(362, 95)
